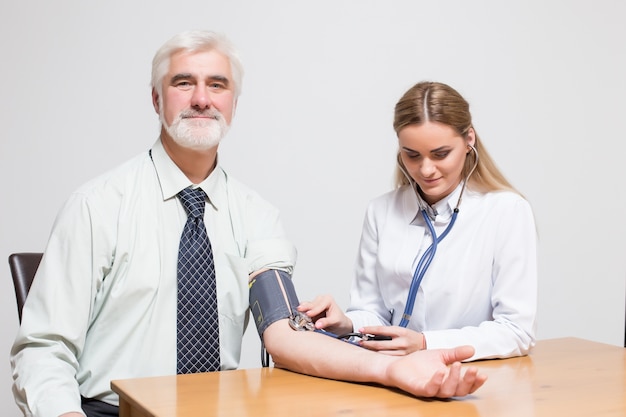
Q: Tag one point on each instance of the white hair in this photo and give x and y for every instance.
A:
(192, 41)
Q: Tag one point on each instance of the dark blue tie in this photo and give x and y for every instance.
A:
(198, 339)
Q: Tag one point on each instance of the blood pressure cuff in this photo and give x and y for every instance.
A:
(272, 298)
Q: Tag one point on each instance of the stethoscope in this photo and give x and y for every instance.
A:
(300, 321)
(429, 254)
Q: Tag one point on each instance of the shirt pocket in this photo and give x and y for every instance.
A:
(232, 289)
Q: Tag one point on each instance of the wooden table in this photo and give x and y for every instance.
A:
(562, 377)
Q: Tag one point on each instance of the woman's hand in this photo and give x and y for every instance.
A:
(403, 341)
(326, 314)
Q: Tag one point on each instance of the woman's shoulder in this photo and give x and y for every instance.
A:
(500, 199)
(396, 203)
(390, 197)
(508, 197)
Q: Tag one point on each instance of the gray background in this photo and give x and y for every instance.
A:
(313, 133)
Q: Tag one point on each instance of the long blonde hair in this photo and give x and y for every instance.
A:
(438, 102)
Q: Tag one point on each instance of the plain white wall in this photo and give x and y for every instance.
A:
(313, 133)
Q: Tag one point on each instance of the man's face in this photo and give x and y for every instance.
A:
(197, 102)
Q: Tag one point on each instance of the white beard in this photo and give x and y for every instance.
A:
(200, 134)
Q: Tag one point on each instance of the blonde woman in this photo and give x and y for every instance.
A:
(449, 257)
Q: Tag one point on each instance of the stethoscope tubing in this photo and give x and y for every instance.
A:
(429, 254)
(423, 265)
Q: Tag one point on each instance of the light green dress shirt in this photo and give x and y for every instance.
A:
(103, 302)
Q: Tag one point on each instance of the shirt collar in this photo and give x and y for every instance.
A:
(445, 206)
(442, 209)
(172, 180)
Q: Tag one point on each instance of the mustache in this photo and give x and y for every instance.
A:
(210, 113)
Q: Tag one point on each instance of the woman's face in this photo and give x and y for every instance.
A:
(434, 155)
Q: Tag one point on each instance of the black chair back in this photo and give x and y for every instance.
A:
(23, 268)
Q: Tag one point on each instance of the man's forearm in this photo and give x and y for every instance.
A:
(427, 373)
(319, 355)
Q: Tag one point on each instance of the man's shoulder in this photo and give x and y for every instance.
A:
(242, 192)
(109, 189)
(119, 177)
